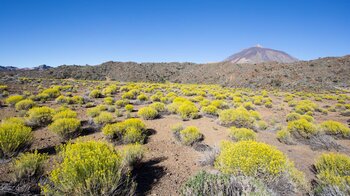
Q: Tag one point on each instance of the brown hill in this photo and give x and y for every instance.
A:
(258, 54)
(325, 73)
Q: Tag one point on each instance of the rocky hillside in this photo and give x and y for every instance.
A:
(258, 54)
(325, 73)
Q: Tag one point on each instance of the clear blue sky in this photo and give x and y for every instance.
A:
(56, 32)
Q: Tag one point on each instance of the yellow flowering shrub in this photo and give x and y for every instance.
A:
(239, 117)
(333, 169)
(65, 127)
(89, 168)
(129, 131)
(303, 127)
(335, 128)
(108, 101)
(210, 110)
(95, 111)
(190, 135)
(188, 110)
(159, 106)
(13, 137)
(52, 92)
(147, 113)
(40, 116)
(305, 106)
(65, 113)
(132, 154)
(103, 118)
(29, 165)
(129, 107)
(242, 134)
(256, 159)
(25, 104)
(95, 94)
(12, 100)
(142, 97)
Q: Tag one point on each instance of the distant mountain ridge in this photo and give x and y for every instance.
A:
(324, 73)
(258, 54)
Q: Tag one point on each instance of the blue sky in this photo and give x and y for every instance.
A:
(56, 32)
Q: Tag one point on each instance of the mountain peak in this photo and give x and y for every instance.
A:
(258, 54)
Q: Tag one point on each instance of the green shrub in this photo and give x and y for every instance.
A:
(284, 136)
(258, 160)
(77, 99)
(242, 134)
(121, 103)
(190, 135)
(95, 94)
(293, 116)
(188, 110)
(210, 110)
(302, 127)
(25, 104)
(239, 117)
(142, 97)
(13, 137)
(147, 113)
(65, 128)
(12, 100)
(132, 154)
(129, 107)
(66, 113)
(305, 106)
(14, 120)
(129, 131)
(108, 100)
(29, 165)
(335, 128)
(93, 112)
(52, 92)
(89, 168)
(64, 100)
(333, 170)
(103, 118)
(40, 116)
(204, 183)
(160, 107)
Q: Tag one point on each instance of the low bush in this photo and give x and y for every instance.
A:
(13, 138)
(159, 106)
(305, 106)
(335, 128)
(147, 113)
(65, 113)
(95, 94)
(65, 128)
(284, 136)
(29, 165)
(93, 112)
(129, 107)
(132, 154)
(190, 135)
(210, 110)
(108, 101)
(121, 103)
(242, 134)
(204, 183)
(40, 116)
(333, 172)
(89, 168)
(25, 104)
(239, 117)
(303, 128)
(188, 110)
(12, 100)
(142, 97)
(103, 118)
(52, 92)
(258, 160)
(129, 131)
